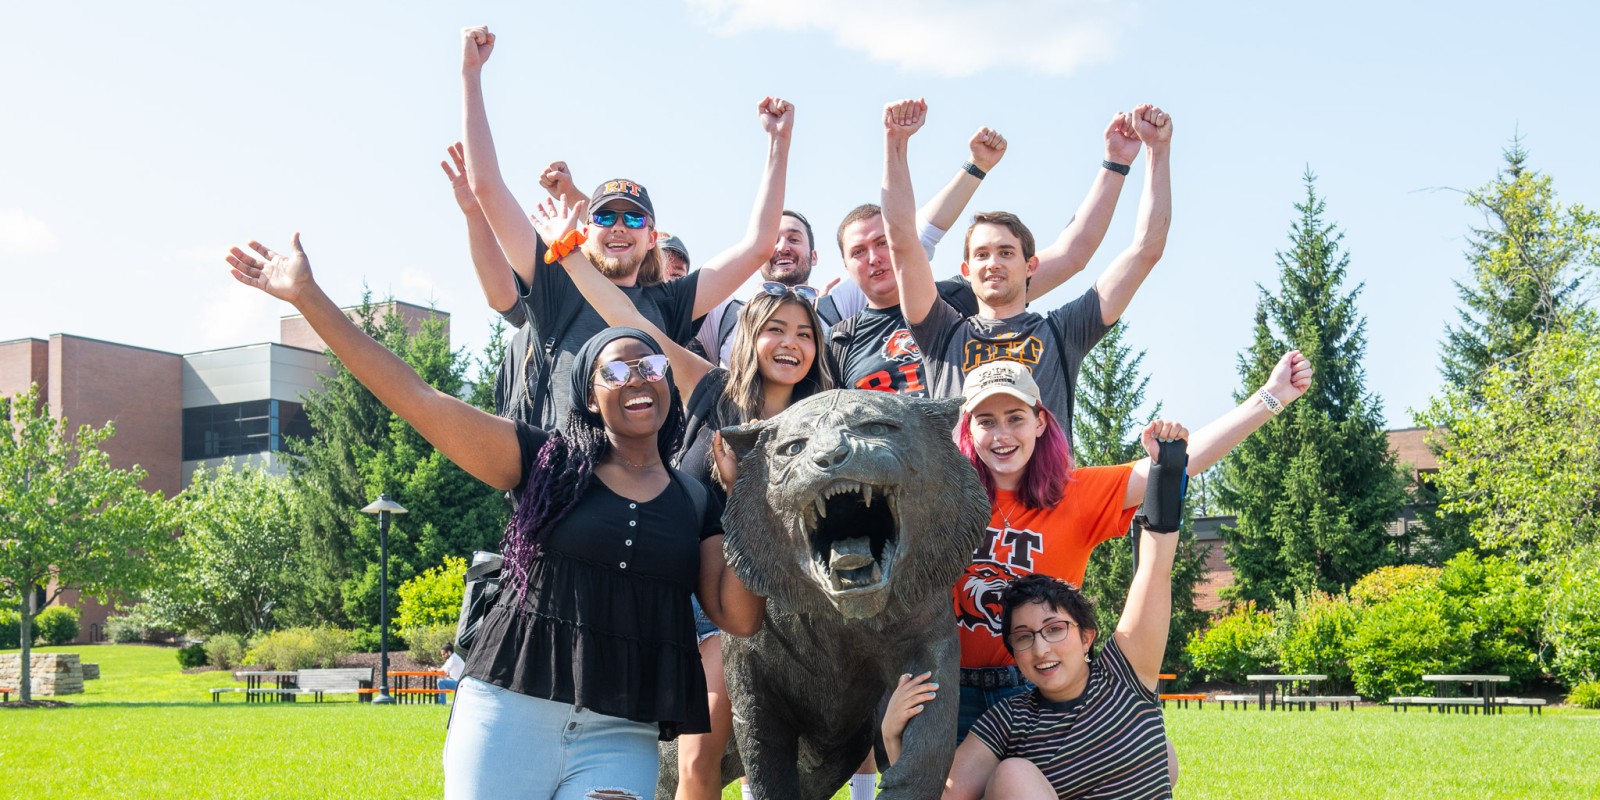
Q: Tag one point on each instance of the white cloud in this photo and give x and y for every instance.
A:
(24, 235)
(950, 38)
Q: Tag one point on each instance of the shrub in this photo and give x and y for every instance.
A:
(1235, 645)
(1383, 583)
(425, 642)
(10, 629)
(1314, 637)
(1399, 640)
(192, 656)
(56, 625)
(133, 626)
(369, 640)
(1497, 605)
(1585, 695)
(432, 598)
(1573, 618)
(225, 650)
(299, 648)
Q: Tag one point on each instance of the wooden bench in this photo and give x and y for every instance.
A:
(1183, 699)
(1530, 703)
(5, 694)
(339, 680)
(216, 694)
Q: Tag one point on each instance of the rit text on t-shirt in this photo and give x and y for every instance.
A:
(979, 352)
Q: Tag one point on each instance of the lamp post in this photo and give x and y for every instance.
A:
(384, 508)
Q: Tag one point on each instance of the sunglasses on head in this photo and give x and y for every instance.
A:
(630, 219)
(776, 289)
(615, 374)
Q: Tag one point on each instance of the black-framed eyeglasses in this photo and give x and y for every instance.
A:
(630, 219)
(1054, 632)
(615, 374)
(805, 293)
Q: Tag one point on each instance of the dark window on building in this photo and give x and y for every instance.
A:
(237, 429)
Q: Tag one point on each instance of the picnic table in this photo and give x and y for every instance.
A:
(1481, 691)
(1286, 690)
(416, 686)
(283, 686)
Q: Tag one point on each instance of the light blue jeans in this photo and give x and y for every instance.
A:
(508, 745)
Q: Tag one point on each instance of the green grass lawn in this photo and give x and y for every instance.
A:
(147, 730)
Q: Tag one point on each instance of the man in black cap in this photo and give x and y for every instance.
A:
(674, 256)
(619, 239)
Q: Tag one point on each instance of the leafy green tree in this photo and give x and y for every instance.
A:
(1111, 391)
(360, 450)
(1313, 491)
(237, 556)
(67, 514)
(1529, 264)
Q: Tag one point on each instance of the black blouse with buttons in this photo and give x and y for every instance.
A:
(606, 623)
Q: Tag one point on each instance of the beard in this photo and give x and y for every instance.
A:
(611, 266)
(794, 275)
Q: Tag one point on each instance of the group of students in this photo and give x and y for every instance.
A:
(609, 402)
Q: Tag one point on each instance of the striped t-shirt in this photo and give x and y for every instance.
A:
(1107, 742)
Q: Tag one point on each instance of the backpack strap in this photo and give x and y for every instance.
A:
(725, 328)
(698, 495)
(828, 311)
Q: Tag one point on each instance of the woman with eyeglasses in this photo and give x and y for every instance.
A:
(775, 361)
(1046, 516)
(589, 658)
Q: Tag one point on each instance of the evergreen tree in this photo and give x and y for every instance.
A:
(1529, 262)
(1314, 491)
(1111, 391)
(360, 450)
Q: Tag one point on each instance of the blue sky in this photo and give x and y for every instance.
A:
(142, 141)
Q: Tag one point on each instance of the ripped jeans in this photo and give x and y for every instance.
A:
(508, 745)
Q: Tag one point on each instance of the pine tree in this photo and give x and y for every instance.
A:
(360, 450)
(1314, 491)
(1111, 391)
(1529, 263)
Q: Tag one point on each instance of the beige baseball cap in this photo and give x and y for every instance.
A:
(999, 377)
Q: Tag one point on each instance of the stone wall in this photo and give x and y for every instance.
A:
(50, 673)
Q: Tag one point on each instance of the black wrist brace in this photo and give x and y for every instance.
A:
(1164, 489)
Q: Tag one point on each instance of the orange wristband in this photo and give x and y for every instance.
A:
(563, 248)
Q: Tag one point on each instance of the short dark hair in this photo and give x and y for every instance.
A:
(811, 238)
(1004, 219)
(861, 212)
(1052, 592)
(448, 647)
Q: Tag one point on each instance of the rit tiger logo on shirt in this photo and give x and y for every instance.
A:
(899, 348)
(1003, 557)
(979, 352)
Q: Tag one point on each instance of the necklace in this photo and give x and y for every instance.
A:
(625, 461)
(1005, 516)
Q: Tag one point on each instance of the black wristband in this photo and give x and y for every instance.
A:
(1120, 169)
(972, 169)
(1164, 489)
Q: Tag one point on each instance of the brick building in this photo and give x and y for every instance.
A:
(175, 413)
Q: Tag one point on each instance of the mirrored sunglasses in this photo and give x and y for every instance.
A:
(776, 289)
(615, 374)
(630, 219)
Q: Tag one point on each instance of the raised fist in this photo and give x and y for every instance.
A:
(903, 118)
(777, 116)
(476, 45)
(988, 147)
(1152, 125)
(1122, 144)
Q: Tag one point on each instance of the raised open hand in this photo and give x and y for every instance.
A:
(282, 276)
(1158, 431)
(777, 117)
(476, 45)
(557, 180)
(1290, 377)
(1122, 144)
(1152, 125)
(904, 117)
(988, 147)
(458, 179)
(553, 218)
